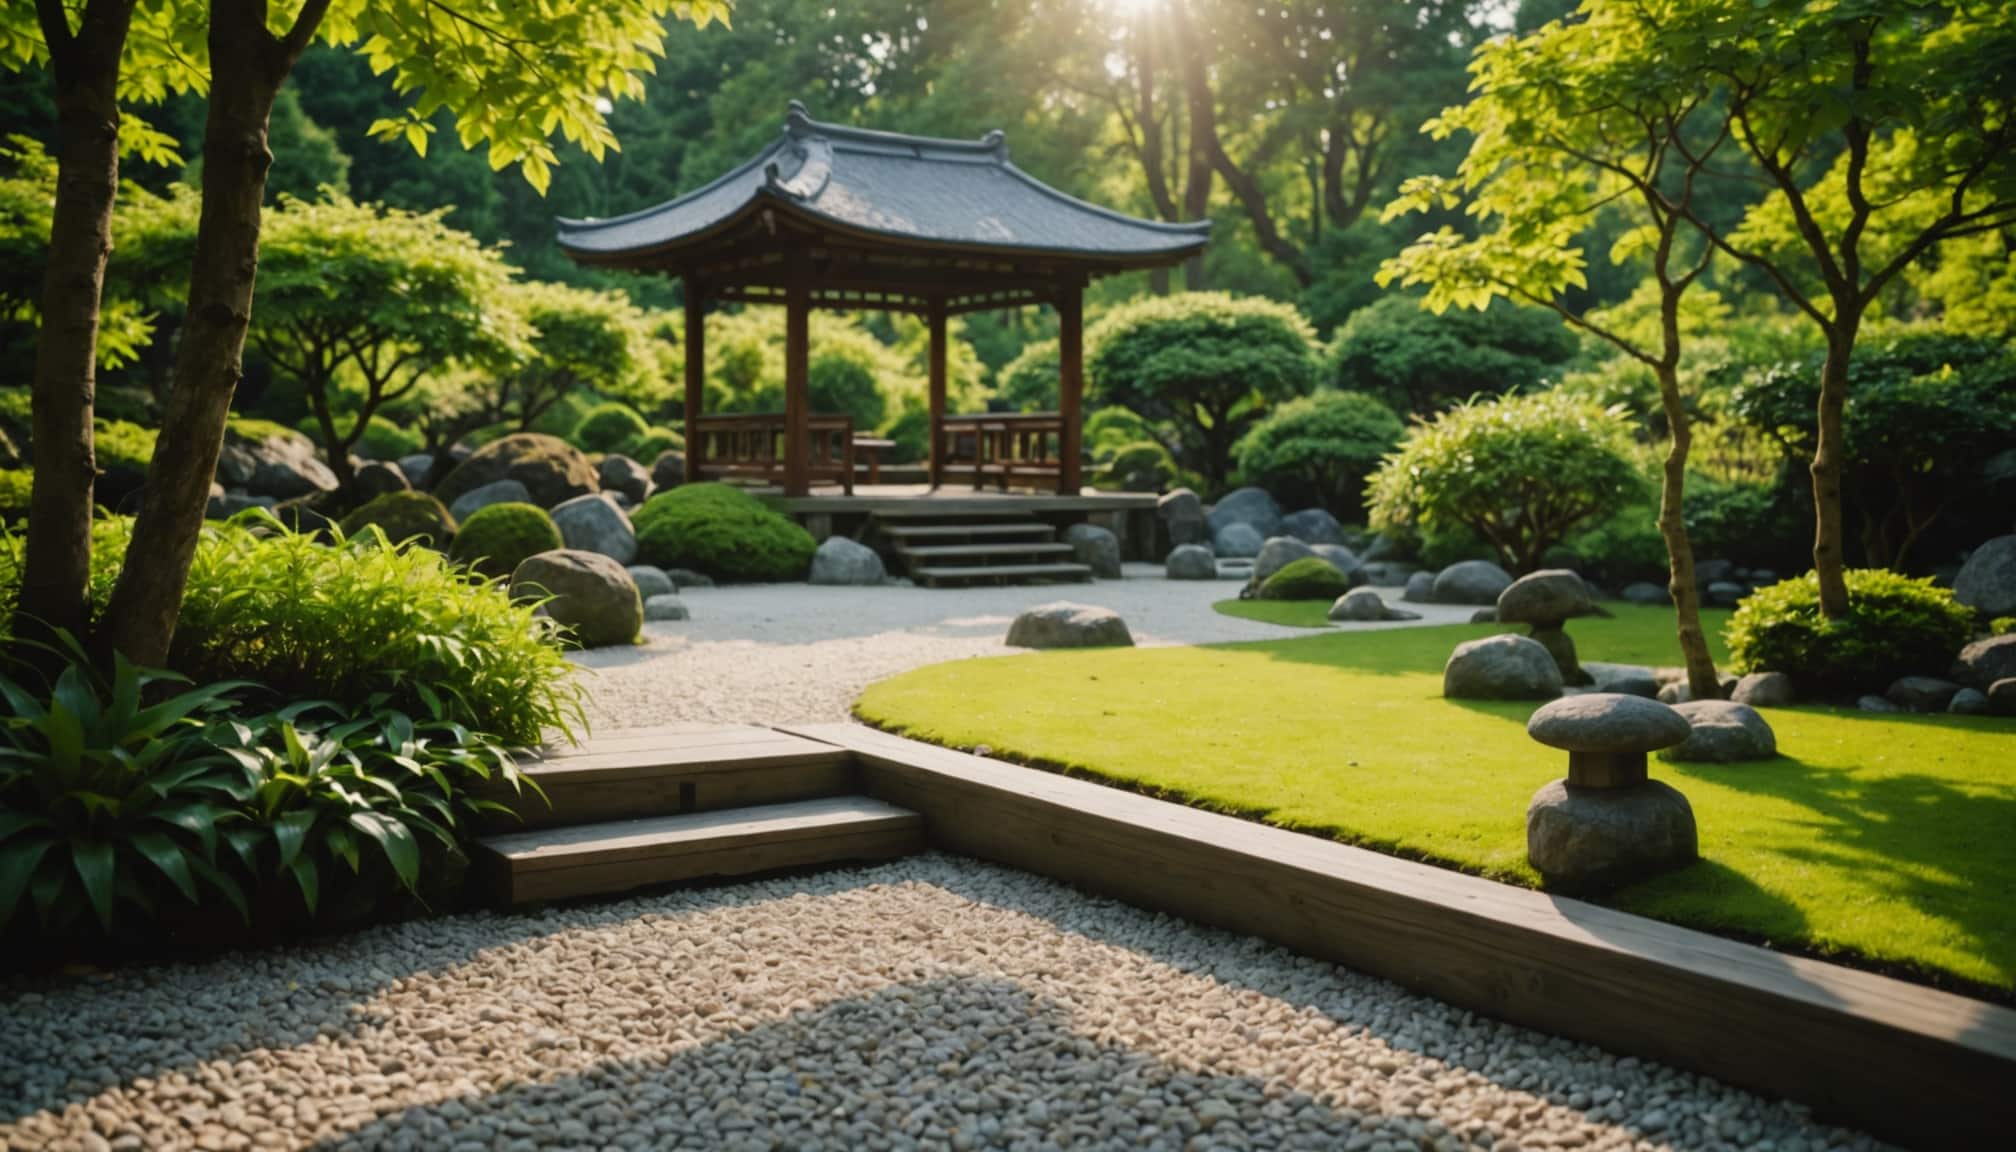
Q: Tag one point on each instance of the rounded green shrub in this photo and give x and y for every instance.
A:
(495, 539)
(608, 427)
(1319, 449)
(655, 442)
(1895, 626)
(404, 516)
(1420, 361)
(1306, 579)
(723, 532)
(2002, 626)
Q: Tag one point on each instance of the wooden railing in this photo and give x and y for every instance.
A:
(750, 445)
(1003, 447)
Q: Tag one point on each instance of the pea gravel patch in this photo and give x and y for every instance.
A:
(930, 1003)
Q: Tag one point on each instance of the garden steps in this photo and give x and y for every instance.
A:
(616, 856)
(670, 770)
(977, 547)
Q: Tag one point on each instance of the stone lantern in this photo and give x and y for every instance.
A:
(1607, 823)
(1547, 599)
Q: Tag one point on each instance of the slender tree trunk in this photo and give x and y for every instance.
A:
(55, 579)
(1701, 678)
(140, 621)
(1829, 563)
(334, 446)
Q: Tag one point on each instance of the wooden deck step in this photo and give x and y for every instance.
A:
(599, 859)
(957, 551)
(901, 532)
(633, 772)
(932, 574)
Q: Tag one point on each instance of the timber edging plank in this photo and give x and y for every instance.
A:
(1907, 1063)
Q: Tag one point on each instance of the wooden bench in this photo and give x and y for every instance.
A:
(868, 450)
(749, 445)
(1003, 447)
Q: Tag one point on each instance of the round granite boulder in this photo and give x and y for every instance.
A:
(1921, 693)
(587, 592)
(1764, 690)
(1987, 581)
(1313, 526)
(1591, 839)
(2001, 697)
(1250, 506)
(1477, 582)
(594, 523)
(1722, 732)
(1182, 516)
(551, 469)
(1968, 702)
(665, 606)
(1360, 605)
(376, 478)
(1277, 553)
(651, 581)
(1546, 597)
(1191, 562)
(1607, 722)
(839, 560)
(1237, 540)
(1984, 662)
(1062, 624)
(619, 473)
(1501, 668)
(1420, 588)
(1095, 547)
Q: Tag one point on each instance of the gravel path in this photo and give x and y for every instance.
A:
(793, 653)
(927, 1003)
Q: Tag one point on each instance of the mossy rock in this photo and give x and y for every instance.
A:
(723, 532)
(497, 538)
(404, 516)
(608, 427)
(551, 469)
(1306, 579)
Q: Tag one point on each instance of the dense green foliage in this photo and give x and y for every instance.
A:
(1319, 450)
(1028, 383)
(1419, 361)
(655, 442)
(1310, 578)
(496, 538)
(1521, 472)
(608, 428)
(404, 516)
(1895, 626)
(1205, 364)
(15, 486)
(723, 532)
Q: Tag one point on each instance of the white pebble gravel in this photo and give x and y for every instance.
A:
(796, 653)
(930, 1003)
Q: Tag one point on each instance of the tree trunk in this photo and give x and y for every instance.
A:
(1702, 680)
(1829, 564)
(55, 581)
(140, 621)
(334, 446)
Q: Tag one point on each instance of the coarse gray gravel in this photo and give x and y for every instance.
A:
(927, 1003)
(796, 653)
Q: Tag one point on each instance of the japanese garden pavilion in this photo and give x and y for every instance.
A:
(846, 218)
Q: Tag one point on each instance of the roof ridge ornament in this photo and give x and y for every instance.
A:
(797, 121)
(996, 141)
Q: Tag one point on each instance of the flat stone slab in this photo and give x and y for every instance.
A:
(1607, 722)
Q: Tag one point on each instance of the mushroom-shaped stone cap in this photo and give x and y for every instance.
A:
(1548, 596)
(1607, 722)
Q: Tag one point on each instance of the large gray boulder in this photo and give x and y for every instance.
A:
(2001, 697)
(619, 473)
(1501, 668)
(282, 466)
(665, 607)
(1764, 690)
(591, 595)
(651, 581)
(1062, 624)
(595, 524)
(1364, 605)
(1921, 693)
(1471, 582)
(1341, 558)
(668, 471)
(1313, 526)
(1987, 581)
(1624, 679)
(376, 478)
(495, 492)
(843, 561)
(416, 467)
(1388, 573)
(1420, 588)
(1546, 597)
(1277, 554)
(1250, 506)
(1722, 732)
(1968, 702)
(1590, 839)
(1191, 562)
(1183, 514)
(551, 469)
(224, 505)
(1237, 540)
(1983, 662)
(1096, 548)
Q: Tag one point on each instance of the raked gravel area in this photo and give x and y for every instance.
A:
(927, 1003)
(794, 653)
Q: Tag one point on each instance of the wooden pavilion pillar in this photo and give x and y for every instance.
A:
(937, 393)
(797, 395)
(1070, 382)
(696, 373)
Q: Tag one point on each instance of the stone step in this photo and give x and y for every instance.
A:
(631, 772)
(935, 575)
(616, 856)
(1004, 548)
(902, 532)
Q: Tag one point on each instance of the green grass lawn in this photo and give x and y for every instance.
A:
(1887, 838)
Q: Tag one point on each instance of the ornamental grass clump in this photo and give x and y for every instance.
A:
(723, 532)
(1895, 626)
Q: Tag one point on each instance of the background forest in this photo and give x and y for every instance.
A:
(1291, 126)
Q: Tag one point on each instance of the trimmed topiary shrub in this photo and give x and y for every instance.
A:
(497, 538)
(608, 427)
(1319, 450)
(1420, 361)
(655, 442)
(1306, 579)
(723, 532)
(404, 516)
(1896, 626)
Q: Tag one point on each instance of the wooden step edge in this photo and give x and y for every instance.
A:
(616, 841)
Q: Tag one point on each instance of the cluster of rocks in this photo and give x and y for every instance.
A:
(1475, 582)
(1240, 525)
(1719, 583)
